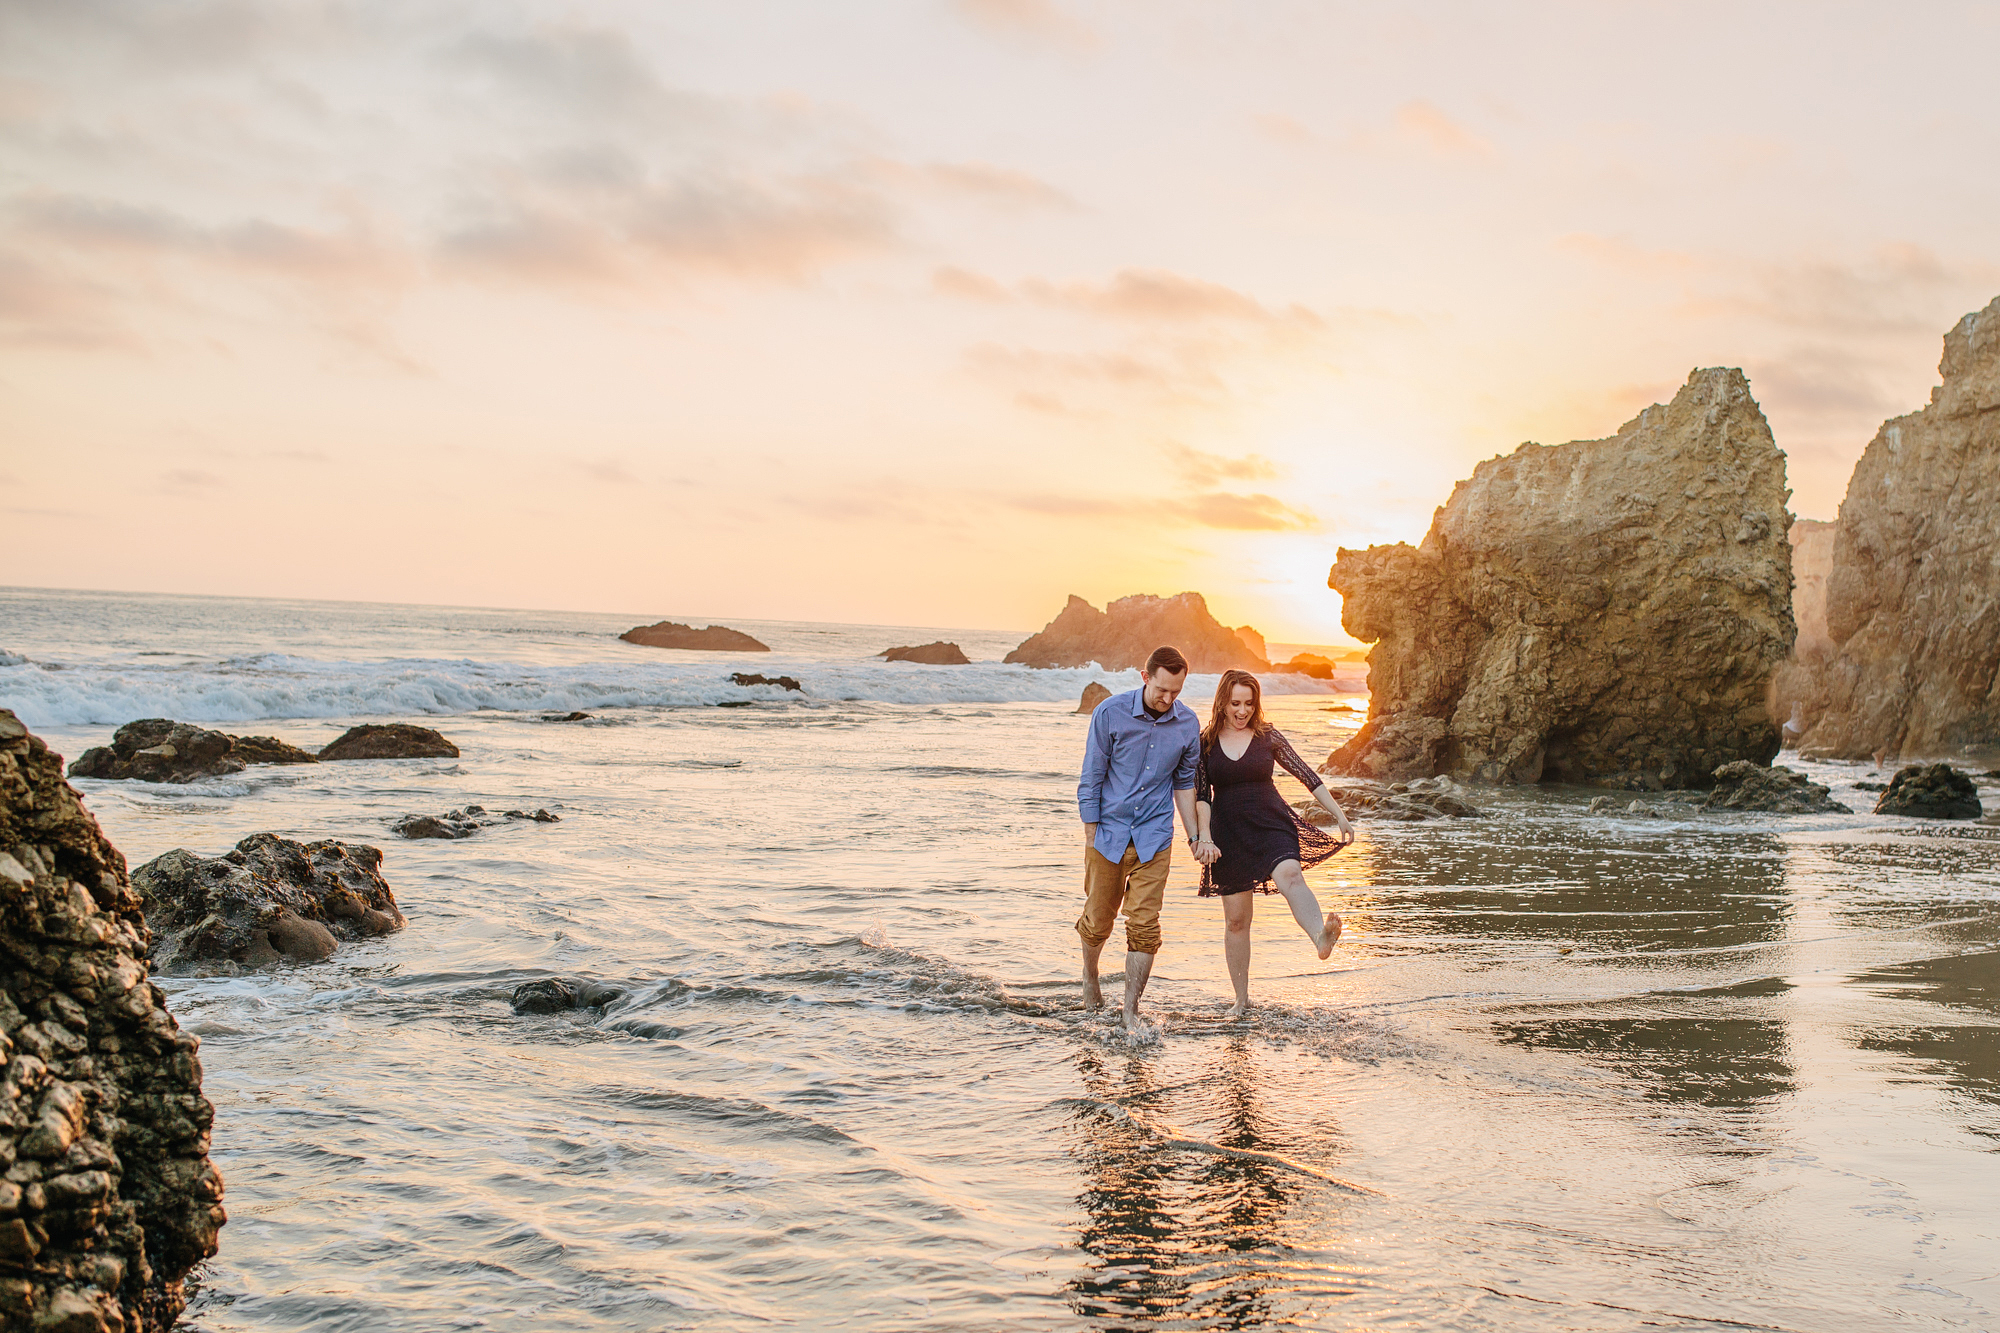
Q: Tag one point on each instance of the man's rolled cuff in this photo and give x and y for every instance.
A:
(1089, 813)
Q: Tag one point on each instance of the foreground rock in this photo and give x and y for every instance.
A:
(392, 740)
(930, 654)
(1778, 790)
(1913, 596)
(1093, 695)
(1125, 633)
(155, 749)
(1607, 611)
(578, 716)
(713, 639)
(555, 995)
(464, 823)
(753, 678)
(109, 1198)
(267, 900)
(1930, 791)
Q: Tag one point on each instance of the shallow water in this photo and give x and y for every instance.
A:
(1563, 1072)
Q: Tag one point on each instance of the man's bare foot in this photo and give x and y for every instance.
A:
(1135, 1025)
(1093, 994)
(1329, 935)
(1240, 1008)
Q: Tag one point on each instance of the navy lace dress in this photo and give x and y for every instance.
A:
(1249, 821)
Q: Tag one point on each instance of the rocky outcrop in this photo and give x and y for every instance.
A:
(1913, 596)
(109, 1198)
(155, 749)
(1093, 695)
(1930, 791)
(1125, 633)
(929, 654)
(1401, 802)
(1254, 641)
(713, 639)
(752, 678)
(1742, 785)
(1606, 611)
(464, 823)
(392, 740)
(1812, 562)
(555, 995)
(267, 900)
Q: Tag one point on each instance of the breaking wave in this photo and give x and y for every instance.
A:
(275, 686)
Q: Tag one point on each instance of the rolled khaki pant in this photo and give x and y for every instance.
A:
(1140, 886)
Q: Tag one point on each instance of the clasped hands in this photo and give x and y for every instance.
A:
(1206, 852)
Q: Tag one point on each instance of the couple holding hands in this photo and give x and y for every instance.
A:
(1148, 755)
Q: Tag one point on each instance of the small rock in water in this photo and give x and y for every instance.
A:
(1930, 791)
(1871, 786)
(940, 653)
(394, 740)
(538, 816)
(556, 995)
(566, 717)
(451, 824)
(753, 678)
(1742, 785)
(1093, 695)
(737, 703)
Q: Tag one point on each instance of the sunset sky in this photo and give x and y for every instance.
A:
(929, 311)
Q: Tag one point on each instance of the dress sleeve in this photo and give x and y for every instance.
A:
(1203, 789)
(1288, 759)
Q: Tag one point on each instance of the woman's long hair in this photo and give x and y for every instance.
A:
(1223, 690)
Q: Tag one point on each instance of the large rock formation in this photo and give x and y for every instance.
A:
(268, 899)
(1125, 633)
(1913, 599)
(1742, 785)
(939, 653)
(714, 639)
(109, 1197)
(389, 740)
(155, 749)
(1606, 611)
(1812, 562)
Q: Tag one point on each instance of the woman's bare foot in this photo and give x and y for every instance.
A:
(1240, 1008)
(1329, 935)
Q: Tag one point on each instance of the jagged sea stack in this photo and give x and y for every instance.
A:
(1605, 612)
(1913, 599)
(109, 1197)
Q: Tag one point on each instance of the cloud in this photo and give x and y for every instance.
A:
(1202, 470)
(1035, 22)
(981, 182)
(1158, 296)
(1425, 123)
(968, 286)
(1243, 513)
(586, 72)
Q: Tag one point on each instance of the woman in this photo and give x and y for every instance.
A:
(1247, 837)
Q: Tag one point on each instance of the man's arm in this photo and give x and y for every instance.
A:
(1096, 765)
(1184, 802)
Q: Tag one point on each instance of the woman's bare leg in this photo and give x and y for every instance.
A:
(1324, 932)
(1236, 911)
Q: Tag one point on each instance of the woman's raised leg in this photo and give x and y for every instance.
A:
(1236, 910)
(1324, 932)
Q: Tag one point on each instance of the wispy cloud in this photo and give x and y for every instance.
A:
(1035, 22)
(1202, 470)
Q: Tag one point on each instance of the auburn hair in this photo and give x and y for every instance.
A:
(1224, 689)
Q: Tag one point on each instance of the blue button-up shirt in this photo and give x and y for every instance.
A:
(1132, 766)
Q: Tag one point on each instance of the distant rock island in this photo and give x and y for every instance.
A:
(1911, 613)
(714, 639)
(1125, 633)
(930, 654)
(1606, 611)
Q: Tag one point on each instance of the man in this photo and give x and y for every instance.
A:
(1138, 766)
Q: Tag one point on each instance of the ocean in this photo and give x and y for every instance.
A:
(1563, 1071)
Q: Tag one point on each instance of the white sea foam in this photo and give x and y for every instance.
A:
(275, 686)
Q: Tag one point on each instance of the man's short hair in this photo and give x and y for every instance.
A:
(1168, 657)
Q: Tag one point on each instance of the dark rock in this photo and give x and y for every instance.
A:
(536, 816)
(464, 823)
(269, 750)
(555, 995)
(1742, 785)
(1930, 791)
(253, 905)
(392, 740)
(782, 682)
(111, 1198)
(1871, 786)
(566, 717)
(1401, 802)
(1307, 664)
(1125, 633)
(1093, 695)
(929, 654)
(156, 749)
(737, 703)
(714, 639)
(1611, 805)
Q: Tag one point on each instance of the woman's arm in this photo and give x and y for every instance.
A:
(1288, 759)
(1332, 807)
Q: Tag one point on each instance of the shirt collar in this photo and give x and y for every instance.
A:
(1174, 709)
